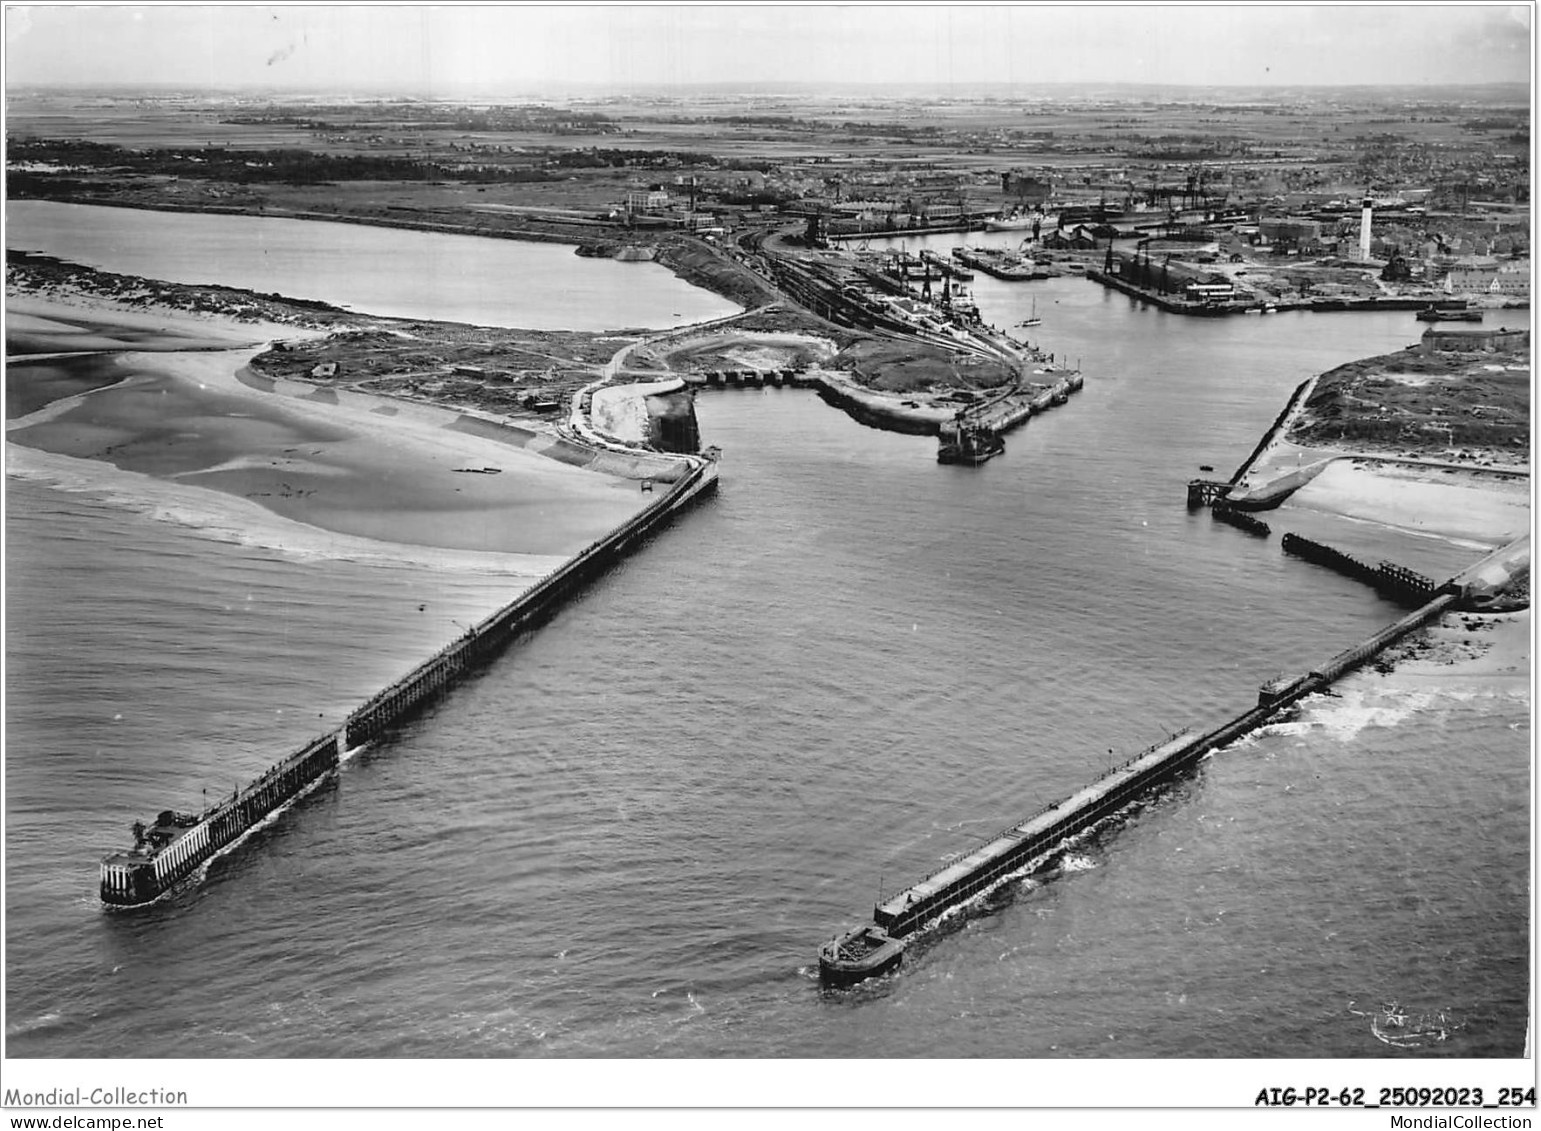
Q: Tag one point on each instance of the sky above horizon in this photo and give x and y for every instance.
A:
(522, 48)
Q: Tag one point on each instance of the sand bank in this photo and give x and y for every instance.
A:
(184, 417)
(1472, 507)
(65, 321)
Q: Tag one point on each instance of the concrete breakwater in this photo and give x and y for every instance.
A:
(1270, 494)
(1021, 848)
(1021, 404)
(877, 410)
(1234, 494)
(873, 409)
(177, 843)
(1276, 429)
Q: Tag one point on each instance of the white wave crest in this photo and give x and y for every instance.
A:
(1354, 708)
(32, 1025)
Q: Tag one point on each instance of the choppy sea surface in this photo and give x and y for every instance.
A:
(628, 836)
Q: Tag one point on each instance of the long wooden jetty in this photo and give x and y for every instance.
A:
(878, 946)
(531, 608)
(177, 843)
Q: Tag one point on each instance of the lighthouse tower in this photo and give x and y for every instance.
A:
(1364, 230)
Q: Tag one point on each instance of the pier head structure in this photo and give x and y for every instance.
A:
(878, 947)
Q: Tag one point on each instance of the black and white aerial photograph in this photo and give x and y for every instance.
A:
(759, 544)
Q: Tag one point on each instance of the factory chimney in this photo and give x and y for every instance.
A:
(1364, 231)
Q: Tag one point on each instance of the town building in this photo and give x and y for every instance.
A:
(1439, 339)
(1511, 280)
(651, 199)
(1030, 191)
(1285, 232)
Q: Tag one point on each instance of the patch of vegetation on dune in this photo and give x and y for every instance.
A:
(904, 367)
(1422, 401)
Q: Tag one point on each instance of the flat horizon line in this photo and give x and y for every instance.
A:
(761, 87)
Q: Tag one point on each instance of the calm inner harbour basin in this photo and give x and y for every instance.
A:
(627, 836)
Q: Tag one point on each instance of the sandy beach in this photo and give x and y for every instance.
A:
(67, 322)
(1479, 654)
(1471, 506)
(183, 416)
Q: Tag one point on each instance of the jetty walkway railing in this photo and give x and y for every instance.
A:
(530, 608)
(1018, 848)
(445, 667)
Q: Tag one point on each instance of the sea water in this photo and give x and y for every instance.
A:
(628, 836)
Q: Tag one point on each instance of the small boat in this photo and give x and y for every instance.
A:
(1392, 1025)
(1032, 319)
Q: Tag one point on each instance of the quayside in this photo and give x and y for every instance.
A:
(173, 848)
(877, 947)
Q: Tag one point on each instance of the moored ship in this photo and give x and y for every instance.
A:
(1436, 313)
(1009, 223)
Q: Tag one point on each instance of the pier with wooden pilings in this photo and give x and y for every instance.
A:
(1021, 848)
(177, 844)
(532, 607)
(1498, 581)
(1206, 492)
(1241, 520)
(1387, 578)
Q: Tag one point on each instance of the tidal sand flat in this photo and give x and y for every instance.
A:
(393, 478)
(61, 323)
(32, 383)
(1466, 505)
(63, 345)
